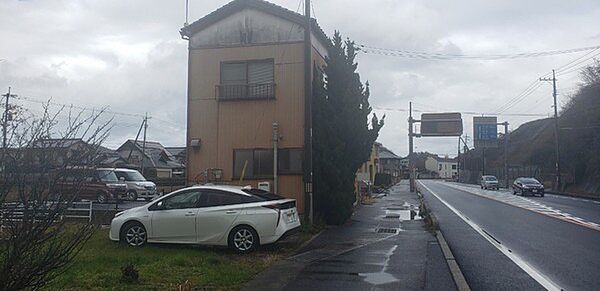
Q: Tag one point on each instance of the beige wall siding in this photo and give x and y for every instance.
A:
(224, 126)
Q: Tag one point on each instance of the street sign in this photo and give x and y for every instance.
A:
(441, 124)
(485, 131)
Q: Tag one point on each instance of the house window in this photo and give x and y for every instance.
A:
(247, 80)
(440, 167)
(290, 161)
(453, 167)
(243, 161)
(259, 162)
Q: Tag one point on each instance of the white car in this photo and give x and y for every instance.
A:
(137, 185)
(239, 217)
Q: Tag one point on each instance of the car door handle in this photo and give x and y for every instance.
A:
(190, 214)
(231, 212)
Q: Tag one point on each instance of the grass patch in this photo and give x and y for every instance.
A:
(162, 266)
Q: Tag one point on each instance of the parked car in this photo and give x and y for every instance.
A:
(137, 185)
(489, 182)
(240, 218)
(523, 186)
(101, 185)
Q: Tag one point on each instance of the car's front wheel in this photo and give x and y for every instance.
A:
(132, 196)
(134, 234)
(243, 239)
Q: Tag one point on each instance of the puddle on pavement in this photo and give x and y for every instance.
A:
(403, 214)
(381, 277)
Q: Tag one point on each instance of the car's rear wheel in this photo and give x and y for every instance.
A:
(134, 234)
(132, 196)
(243, 239)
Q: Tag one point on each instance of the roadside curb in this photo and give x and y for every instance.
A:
(573, 195)
(457, 275)
(304, 244)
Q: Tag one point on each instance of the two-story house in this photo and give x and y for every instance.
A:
(246, 95)
(445, 167)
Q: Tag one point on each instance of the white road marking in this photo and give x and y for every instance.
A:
(533, 272)
(525, 203)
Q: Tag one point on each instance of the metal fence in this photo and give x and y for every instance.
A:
(12, 212)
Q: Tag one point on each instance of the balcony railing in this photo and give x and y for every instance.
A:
(246, 91)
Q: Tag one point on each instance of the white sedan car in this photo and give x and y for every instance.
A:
(239, 217)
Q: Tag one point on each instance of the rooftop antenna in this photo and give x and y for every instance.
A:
(187, 5)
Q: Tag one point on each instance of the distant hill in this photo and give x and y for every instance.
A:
(532, 144)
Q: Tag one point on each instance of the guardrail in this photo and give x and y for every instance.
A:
(14, 212)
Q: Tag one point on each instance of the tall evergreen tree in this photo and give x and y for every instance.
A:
(342, 135)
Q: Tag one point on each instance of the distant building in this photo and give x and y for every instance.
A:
(368, 170)
(155, 159)
(445, 168)
(179, 153)
(57, 152)
(389, 163)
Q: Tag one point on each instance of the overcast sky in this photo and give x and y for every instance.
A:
(128, 55)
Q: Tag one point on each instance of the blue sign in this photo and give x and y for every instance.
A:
(486, 131)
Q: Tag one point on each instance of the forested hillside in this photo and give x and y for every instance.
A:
(532, 144)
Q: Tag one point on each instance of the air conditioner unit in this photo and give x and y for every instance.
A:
(266, 186)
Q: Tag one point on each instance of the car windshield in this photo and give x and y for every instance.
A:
(530, 181)
(107, 176)
(262, 194)
(491, 178)
(134, 176)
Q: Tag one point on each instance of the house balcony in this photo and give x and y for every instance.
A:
(245, 91)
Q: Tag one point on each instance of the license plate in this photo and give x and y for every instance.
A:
(534, 191)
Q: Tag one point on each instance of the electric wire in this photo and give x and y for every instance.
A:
(440, 56)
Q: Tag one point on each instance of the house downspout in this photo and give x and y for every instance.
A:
(275, 158)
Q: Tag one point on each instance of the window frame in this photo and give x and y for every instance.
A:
(246, 64)
(280, 171)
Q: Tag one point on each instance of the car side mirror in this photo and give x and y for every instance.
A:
(121, 178)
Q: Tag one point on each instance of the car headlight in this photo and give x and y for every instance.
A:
(119, 214)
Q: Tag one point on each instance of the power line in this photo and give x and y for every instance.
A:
(28, 99)
(520, 99)
(574, 60)
(462, 112)
(529, 89)
(440, 56)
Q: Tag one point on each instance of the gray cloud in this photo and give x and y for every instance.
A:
(128, 54)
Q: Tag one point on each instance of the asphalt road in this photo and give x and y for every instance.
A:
(505, 242)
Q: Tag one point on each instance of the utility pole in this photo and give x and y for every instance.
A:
(506, 178)
(5, 125)
(556, 139)
(144, 142)
(308, 170)
(411, 164)
(458, 162)
(483, 161)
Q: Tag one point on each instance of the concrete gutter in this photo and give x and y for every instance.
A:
(457, 275)
(455, 271)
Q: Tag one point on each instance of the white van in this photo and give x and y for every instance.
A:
(137, 185)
